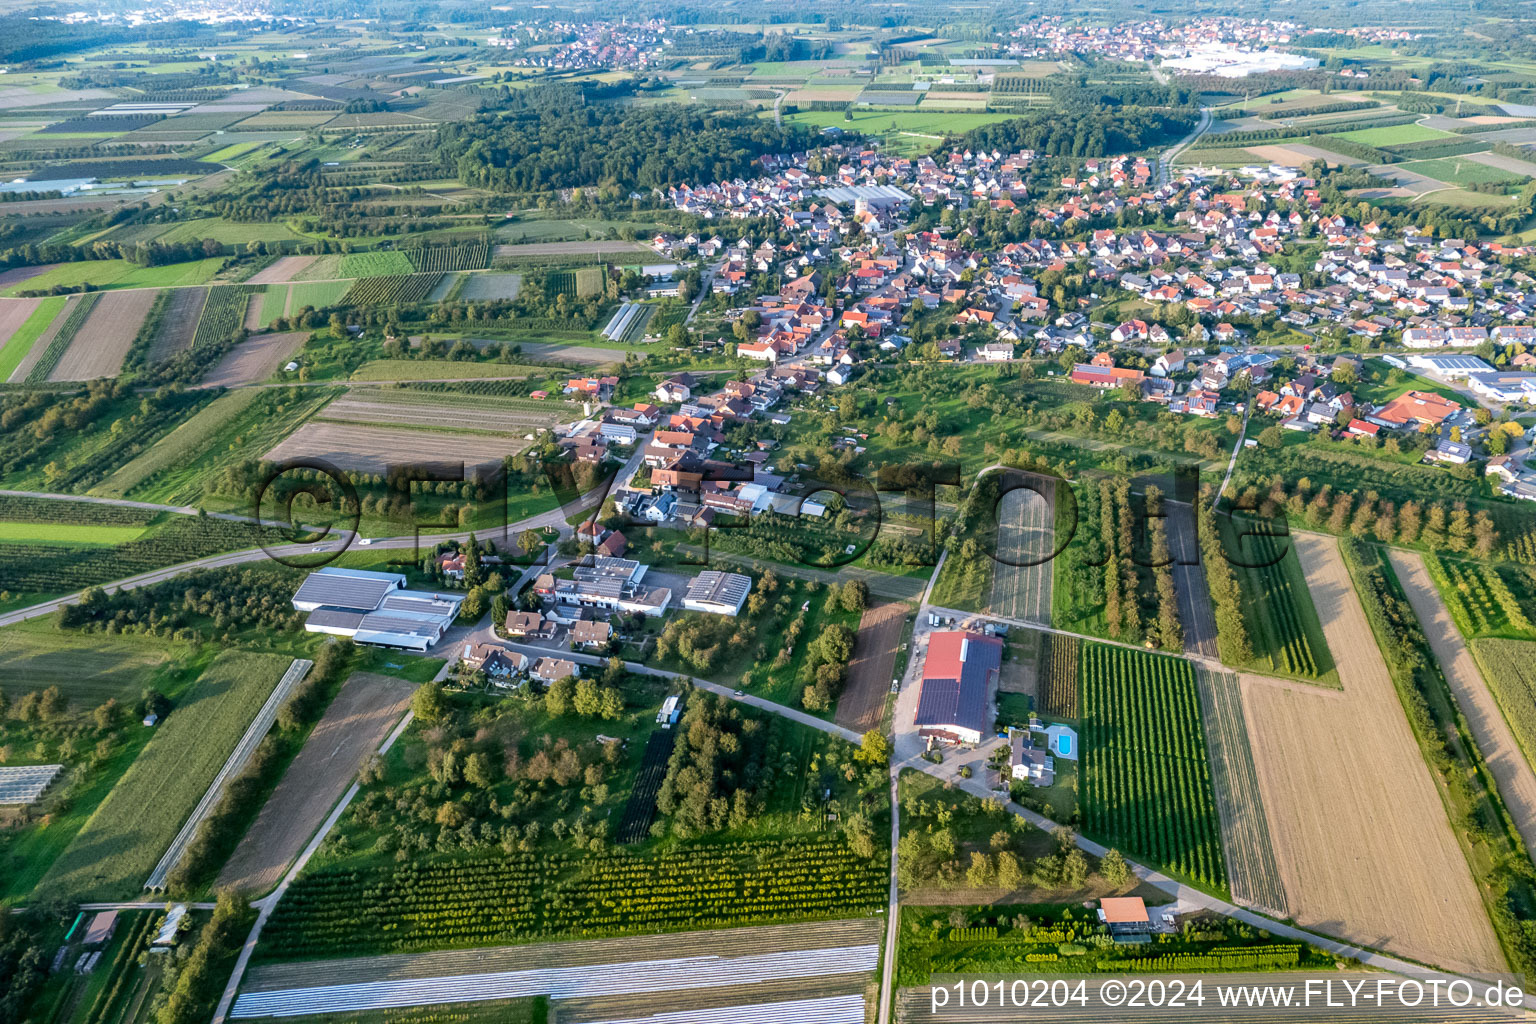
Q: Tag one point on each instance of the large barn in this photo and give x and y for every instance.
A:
(955, 702)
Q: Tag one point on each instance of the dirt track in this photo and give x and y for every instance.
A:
(1189, 584)
(1358, 827)
(869, 673)
(103, 340)
(254, 360)
(1512, 772)
(357, 721)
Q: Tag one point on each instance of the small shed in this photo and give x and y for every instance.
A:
(99, 931)
(1125, 915)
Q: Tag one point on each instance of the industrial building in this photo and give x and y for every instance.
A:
(722, 593)
(954, 705)
(374, 608)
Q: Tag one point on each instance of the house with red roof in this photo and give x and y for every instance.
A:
(959, 674)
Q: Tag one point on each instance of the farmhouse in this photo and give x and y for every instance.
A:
(498, 663)
(1415, 408)
(958, 675)
(722, 593)
(591, 634)
(374, 608)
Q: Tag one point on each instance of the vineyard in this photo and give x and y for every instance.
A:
(1252, 871)
(640, 811)
(1510, 668)
(223, 313)
(59, 568)
(358, 909)
(1146, 784)
(391, 290)
(1479, 600)
(67, 331)
(1058, 675)
(1282, 621)
(442, 259)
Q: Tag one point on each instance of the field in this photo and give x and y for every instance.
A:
(179, 324)
(374, 264)
(591, 975)
(407, 407)
(223, 314)
(490, 286)
(120, 274)
(284, 270)
(862, 704)
(1496, 740)
(354, 725)
(388, 908)
(1360, 833)
(13, 314)
(1480, 600)
(1059, 675)
(22, 337)
(254, 360)
(392, 289)
(1459, 170)
(319, 294)
(588, 355)
(105, 336)
(440, 259)
(1025, 534)
(1509, 666)
(640, 809)
(1253, 875)
(89, 669)
(71, 534)
(581, 283)
(1393, 135)
(1145, 781)
(440, 369)
(372, 449)
(1282, 622)
(79, 309)
(122, 841)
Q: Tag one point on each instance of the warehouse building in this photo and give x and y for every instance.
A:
(722, 593)
(374, 608)
(954, 705)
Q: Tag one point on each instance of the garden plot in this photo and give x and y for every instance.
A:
(179, 324)
(1360, 833)
(103, 340)
(371, 449)
(491, 286)
(862, 704)
(1025, 534)
(254, 360)
(24, 784)
(586, 354)
(406, 407)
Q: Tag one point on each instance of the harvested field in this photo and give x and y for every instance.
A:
(19, 275)
(14, 313)
(179, 325)
(862, 704)
(1496, 740)
(375, 449)
(255, 360)
(30, 360)
(1285, 156)
(1021, 576)
(357, 721)
(1358, 829)
(105, 337)
(282, 271)
(582, 248)
(406, 407)
(1501, 162)
(491, 286)
(253, 321)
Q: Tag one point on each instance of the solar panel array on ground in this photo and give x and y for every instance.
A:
(25, 783)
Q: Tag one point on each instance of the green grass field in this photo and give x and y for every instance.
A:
(273, 302)
(1458, 170)
(1394, 135)
(120, 274)
(440, 369)
(229, 232)
(318, 294)
(121, 843)
(20, 343)
(375, 264)
(875, 122)
(66, 533)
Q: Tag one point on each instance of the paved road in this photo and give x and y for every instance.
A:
(1189, 584)
(892, 912)
(1165, 162)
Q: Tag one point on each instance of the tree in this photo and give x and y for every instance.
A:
(855, 596)
(1114, 868)
(874, 749)
(428, 703)
(1272, 436)
(1010, 874)
(558, 699)
(861, 835)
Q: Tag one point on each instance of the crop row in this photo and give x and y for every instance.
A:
(19, 509)
(223, 313)
(439, 259)
(1147, 784)
(449, 904)
(67, 331)
(391, 290)
(55, 568)
(1479, 599)
(1058, 675)
(1280, 622)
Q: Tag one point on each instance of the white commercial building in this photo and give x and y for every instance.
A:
(374, 608)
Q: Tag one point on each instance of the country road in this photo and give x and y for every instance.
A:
(1165, 162)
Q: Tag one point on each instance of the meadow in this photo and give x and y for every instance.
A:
(1458, 170)
(72, 534)
(20, 343)
(121, 843)
(120, 274)
(1393, 135)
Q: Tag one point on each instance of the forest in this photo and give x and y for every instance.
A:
(1081, 135)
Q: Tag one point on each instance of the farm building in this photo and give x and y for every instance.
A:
(170, 929)
(670, 712)
(1449, 366)
(958, 675)
(374, 608)
(722, 593)
(99, 931)
(1415, 408)
(1126, 916)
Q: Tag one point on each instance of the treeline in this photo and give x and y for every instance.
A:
(1232, 640)
(205, 604)
(635, 147)
(1084, 134)
(145, 254)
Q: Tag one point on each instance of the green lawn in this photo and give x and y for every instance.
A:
(318, 294)
(120, 274)
(875, 122)
(1393, 135)
(66, 533)
(1459, 170)
(121, 843)
(20, 343)
(229, 232)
